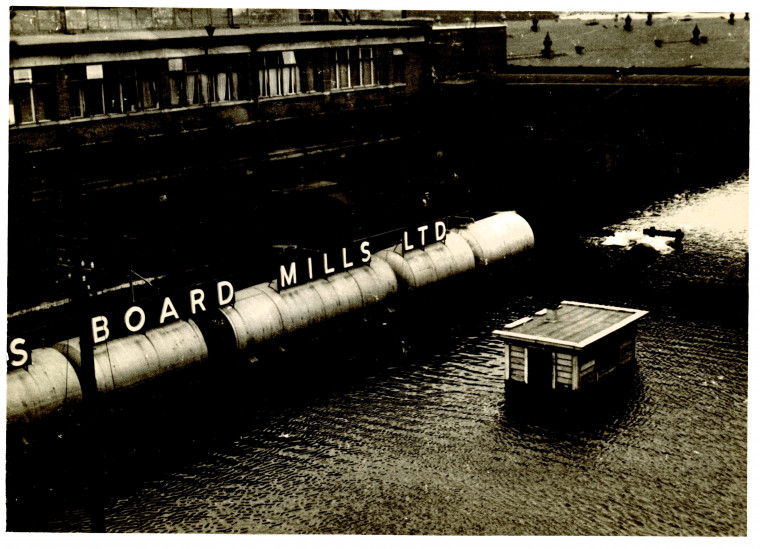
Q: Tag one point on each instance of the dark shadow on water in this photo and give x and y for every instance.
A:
(607, 408)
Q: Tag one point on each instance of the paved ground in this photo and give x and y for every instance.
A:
(607, 44)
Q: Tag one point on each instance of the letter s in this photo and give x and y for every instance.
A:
(366, 255)
(21, 352)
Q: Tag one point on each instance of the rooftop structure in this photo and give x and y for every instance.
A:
(570, 346)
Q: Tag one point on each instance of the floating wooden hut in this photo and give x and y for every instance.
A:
(570, 347)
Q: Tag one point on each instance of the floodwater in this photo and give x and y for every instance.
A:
(398, 422)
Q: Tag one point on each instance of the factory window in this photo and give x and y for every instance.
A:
(399, 66)
(289, 73)
(313, 16)
(278, 74)
(130, 87)
(355, 67)
(114, 89)
(86, 96)
(32, 96)
(193, 82)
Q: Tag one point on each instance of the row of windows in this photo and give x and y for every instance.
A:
(37, 94)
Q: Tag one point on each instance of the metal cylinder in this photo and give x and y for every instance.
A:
(496, 237)
(130, 360)
(347, 290)
(415, 268)
(177, 345)
(48, 386)
(255, 317)
(437, 261)
(375, 281)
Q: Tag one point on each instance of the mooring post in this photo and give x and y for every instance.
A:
(731, 20)
(627, 25)
(695, 35)
(649, 19)
(534, 27)
(90, 399)
(547, 51)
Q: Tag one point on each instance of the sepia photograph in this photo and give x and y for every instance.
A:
(465, 272)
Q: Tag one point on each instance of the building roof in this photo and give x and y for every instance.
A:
(572, 325)
(220, 32)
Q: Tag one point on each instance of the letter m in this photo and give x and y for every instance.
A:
(288, 278)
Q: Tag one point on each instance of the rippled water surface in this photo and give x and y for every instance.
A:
(410, 431)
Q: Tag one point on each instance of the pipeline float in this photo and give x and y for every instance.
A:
(260, 313)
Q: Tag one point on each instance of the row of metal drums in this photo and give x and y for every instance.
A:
(50, 383)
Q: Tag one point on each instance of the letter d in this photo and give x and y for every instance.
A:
(220, 286)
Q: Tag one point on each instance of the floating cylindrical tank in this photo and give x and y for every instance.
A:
(347, 290)
(49, 385)
(497, 237)
(300, 306)
(376, 281)
(420, 267)
(386, 278)
(415, 267)
(177, 345)
(261, 313)
(255, 317)
(127, 361)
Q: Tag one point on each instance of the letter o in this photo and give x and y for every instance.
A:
(128, 315)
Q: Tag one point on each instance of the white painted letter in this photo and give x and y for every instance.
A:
(128, 315)
(19, 351)
(346, 263)
(407, 246)
(365, 250)
(196, 298)
(440, 231)
(422, 230)
(220, 294)
(168, 310)
(328, 270)
(311, 270)
(100, 325)
(288, 278)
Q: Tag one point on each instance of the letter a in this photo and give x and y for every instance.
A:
(168, 310)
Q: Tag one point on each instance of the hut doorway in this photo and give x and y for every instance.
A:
(540, 368)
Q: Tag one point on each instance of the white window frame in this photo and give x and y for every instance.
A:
(288, 64)
(356, 54)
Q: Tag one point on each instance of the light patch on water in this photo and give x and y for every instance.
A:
(721, 211)
(628, 239)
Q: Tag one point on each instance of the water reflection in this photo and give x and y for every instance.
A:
(397, 422)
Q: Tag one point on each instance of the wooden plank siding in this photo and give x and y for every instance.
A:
(517, 361)
(576, 377)
(627, 351)
(587, 372)
(563, 369)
